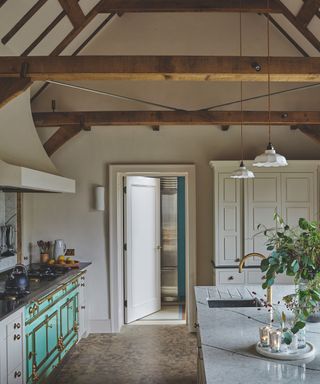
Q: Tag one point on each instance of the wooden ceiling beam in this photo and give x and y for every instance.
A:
(187, 68)
(75, 32)
(60, 137)
(308, 10)
(154, 118)
(288, 37)
(312, 131)
(93, 34)
(32, 11)
(120, 6)
(10, 88)
(299, 26)
(73, 11)
(43, 34)
(79, 49)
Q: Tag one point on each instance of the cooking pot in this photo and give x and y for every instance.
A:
(18, 279)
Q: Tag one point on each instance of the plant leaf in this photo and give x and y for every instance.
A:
(264, 265)
(287, 337)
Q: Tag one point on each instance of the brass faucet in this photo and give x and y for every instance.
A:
(241, 265)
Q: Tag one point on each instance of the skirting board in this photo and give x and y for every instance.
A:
(100, 326)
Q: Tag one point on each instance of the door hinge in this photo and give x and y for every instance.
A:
(126, 303)
(125, 246)
(124, 189)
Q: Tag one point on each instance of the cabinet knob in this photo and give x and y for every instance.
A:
(26, 258)
(230, 278)
(33, 308)
(82, 285)
(83, 307)
(17, 374)
(16, 337)
(82, 277)
(196, 325)
(16, 325)
(237, 260)
(31, 355)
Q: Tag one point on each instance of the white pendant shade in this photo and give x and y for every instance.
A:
(242, 173)
(270, 158)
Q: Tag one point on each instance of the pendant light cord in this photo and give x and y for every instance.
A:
(269, 88)
(241, 86)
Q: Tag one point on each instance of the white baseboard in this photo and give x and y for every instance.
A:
(100, 326)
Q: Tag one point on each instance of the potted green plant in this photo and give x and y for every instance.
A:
(295, 252)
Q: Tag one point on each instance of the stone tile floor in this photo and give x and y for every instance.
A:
(155, 354)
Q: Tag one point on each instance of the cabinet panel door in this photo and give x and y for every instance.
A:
(16, 376)
(69, 323)
(69, 318)
(14, 351)
(298, 198)
(40, 345)
(262, 200)
(82, 305)
(228, 228)
(3, 356)
(52, 332)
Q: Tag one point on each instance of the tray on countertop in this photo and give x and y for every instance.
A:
(300, 354)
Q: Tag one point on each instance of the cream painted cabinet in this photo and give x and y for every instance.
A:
(12, 349)
(299, 196)
(228, 220)
(241, 205)
(83, 306)
(262, 198)
(291, 194)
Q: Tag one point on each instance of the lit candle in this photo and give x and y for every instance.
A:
(275, 340)
(265, 336)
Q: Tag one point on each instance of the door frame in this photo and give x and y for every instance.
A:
(117, 172)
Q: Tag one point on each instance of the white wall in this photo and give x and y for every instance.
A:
(86, 157)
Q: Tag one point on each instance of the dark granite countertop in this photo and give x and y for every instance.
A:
(37, 290)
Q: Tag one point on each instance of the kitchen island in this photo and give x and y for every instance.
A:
(227, 339)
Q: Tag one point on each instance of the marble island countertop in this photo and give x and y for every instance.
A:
(228, 337)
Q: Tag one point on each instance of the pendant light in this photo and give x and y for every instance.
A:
(242, 172)
(269, 158)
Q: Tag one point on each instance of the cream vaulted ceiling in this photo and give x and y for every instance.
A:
(49, 28)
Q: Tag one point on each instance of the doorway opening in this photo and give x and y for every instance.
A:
(117, 173)
(154, 252)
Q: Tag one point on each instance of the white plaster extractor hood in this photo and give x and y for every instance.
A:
(17, 178)
(24, 164)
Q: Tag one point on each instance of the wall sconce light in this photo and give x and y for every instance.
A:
(99, 198)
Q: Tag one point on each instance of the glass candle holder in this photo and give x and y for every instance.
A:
(275, 340)
(294, 343)
(264, 333)
(302, 338)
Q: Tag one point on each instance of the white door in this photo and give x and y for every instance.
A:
(142, 253)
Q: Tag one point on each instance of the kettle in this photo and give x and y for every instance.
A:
(59, 248)
(18, 279)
